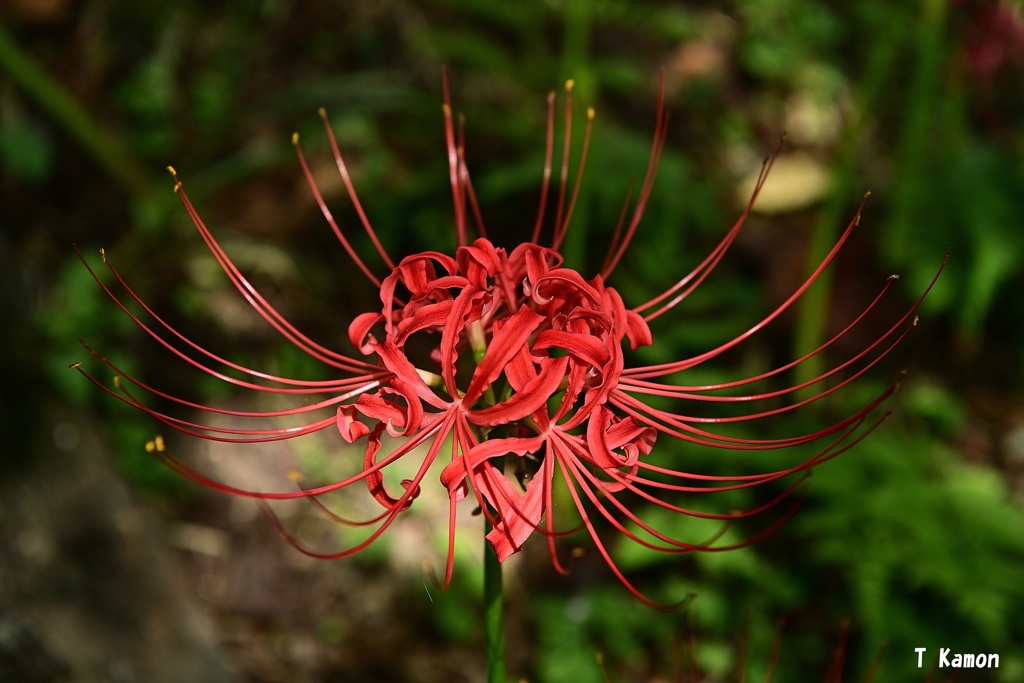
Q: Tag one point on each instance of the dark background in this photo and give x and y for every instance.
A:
(114, 569)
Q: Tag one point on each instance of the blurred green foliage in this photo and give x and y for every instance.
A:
(916, 536)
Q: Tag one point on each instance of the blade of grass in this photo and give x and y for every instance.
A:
(71, 116)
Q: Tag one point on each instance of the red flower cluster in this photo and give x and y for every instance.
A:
(527, 377)
(547, 347)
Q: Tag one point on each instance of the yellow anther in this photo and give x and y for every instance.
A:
(590, 113)
(916, 318)
(446, 108)
(117, 381)
(156, 445)
(295, 138)
(294, 475)
(568, 85)
(75, 365)
(174, 174)
(894, 276)
(322, 112)
(103, 254)
(150, 446)
(867, 194)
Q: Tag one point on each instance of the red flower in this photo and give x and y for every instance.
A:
(527, 378)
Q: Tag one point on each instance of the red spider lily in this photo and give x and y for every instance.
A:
(527, 384)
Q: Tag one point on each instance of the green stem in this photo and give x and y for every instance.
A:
(922, 118)
(53, 98)
(812, 308)
(494, 615)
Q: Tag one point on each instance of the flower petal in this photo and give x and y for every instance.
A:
(586, 348)
(478, 261)
(424, 317)
(504, 345)
(375, 478)
(519, 519)
(359, 331)
(518, 514)
(462, 309)
(534, 395)
(394, 360)
(349, 426)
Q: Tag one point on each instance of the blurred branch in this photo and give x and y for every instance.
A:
(69, 114)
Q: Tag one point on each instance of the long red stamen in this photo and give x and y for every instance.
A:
(329, 217)
(545, 186)
(563, 223)
(657, 370)
(458, 190)
(310, 385)
(688, 392)
(695, 277)
(255, 299)
(350, 188)
(654, 159)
